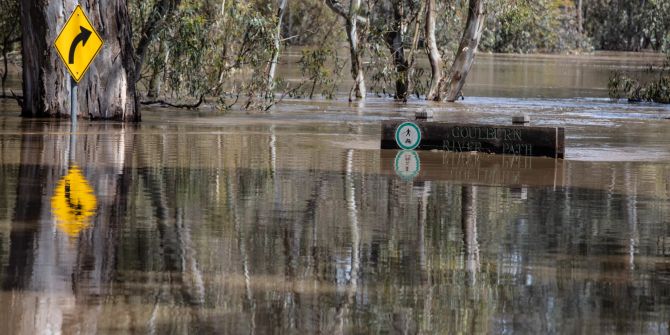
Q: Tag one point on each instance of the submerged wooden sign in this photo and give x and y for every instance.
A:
(508, 140)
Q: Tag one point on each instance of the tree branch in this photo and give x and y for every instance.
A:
(18, 98)
(337, 7)
(162, 9)
(167, 104)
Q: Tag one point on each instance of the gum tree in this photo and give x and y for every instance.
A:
(108, 89)
(467, 50)
(352, 20)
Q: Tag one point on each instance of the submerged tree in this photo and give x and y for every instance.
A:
(272, 69)
(108, 89)
(466, 50)
(10, 34)
(434, 56)
(352, 20)
(395, 39)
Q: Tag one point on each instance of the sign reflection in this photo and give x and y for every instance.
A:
(73, 203)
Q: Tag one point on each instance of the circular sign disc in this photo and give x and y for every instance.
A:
(407, 164)
(408, 136)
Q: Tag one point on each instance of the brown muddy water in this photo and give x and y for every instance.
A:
(294, 222)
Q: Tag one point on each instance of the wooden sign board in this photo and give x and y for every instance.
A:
(457, 137)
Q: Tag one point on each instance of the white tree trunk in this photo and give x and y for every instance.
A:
(433, 53)
(277, 44)
(356, 59)
(580, 16)
(466, 50)
(352, 19)
(107, 91)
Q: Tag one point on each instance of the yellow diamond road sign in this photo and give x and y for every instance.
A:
(78, 44)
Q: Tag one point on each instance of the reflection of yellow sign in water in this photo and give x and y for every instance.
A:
(73, 203)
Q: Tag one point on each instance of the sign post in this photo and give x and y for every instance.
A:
(74, 104)
(74, 202)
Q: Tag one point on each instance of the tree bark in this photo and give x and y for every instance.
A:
(277, 45)
(395, 40)
(107, 91)
(434, 56)
(466, 50)
(5, 73)
(580, 17)
(412, 51)
(352, 19)
(356, 59)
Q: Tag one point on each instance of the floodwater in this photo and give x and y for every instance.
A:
(295, 222)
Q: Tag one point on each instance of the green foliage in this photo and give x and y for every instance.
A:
(224, 53)
(308, 22)
(9, 21)
(622, 85)
(380, 68)
(527, 26)
(206, 50)
(628, 25)
(316, 66)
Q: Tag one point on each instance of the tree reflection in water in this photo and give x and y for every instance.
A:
(254, 231)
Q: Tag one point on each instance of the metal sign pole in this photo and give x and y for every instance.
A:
(74, 109)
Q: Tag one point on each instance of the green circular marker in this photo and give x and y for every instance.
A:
(407, 164)
(408, 136)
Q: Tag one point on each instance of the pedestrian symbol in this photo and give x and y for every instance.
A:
(408, 136)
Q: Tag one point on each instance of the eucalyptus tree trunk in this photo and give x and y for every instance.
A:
(580, 16)
(352, 20)
(5, 72)
(395, 40)
(466, 50)
(107, 91)
(434, 56)
(412, 51)
(357, 73)
(277, 44)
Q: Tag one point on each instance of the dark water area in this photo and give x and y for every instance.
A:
(295, 222)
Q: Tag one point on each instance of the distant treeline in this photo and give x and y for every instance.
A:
(526, 26)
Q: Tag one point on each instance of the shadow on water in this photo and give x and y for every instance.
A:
(274, 228)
